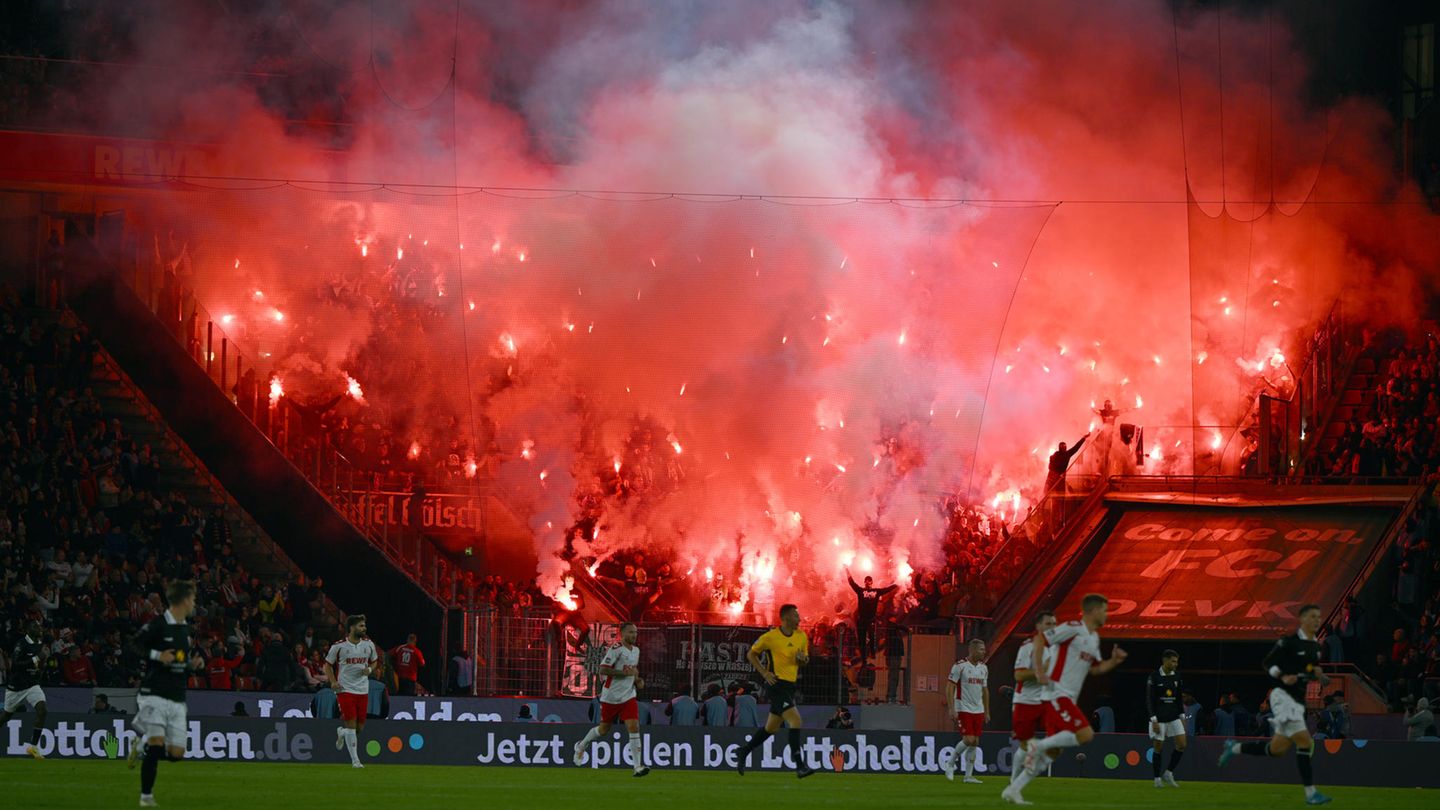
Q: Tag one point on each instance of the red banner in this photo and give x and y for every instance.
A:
(1226, 573)
(61, 158)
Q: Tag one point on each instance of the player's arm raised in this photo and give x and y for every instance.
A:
(1117, 657)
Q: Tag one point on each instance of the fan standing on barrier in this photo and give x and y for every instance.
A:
(1293, 662)
(621, 670)
(348, 666)
(789, 650)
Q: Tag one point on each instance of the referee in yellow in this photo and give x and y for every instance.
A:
(789, 649)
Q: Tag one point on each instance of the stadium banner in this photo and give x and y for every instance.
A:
(296, 705)
(68, 158)
(64, 157)
(665, 651)
(227, 739)
(1226, 573)
(719, 657)
(440, 513)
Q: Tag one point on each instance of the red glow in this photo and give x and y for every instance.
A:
(1089, 300)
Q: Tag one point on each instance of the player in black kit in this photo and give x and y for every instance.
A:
(23, 686)
(1167, 721)
(164, 641)
(1292, 663)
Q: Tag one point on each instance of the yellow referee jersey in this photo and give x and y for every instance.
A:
(783, 649)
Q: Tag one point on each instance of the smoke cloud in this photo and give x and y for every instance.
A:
(1153, 215)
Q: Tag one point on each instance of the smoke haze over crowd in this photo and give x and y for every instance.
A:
(979, 221)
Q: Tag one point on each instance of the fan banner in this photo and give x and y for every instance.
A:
(1226, 573)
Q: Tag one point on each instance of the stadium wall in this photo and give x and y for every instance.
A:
(296, 705)
(1356, 763)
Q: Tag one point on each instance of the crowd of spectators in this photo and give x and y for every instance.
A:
(1397, 434)
(1394, 638)
(90, 534)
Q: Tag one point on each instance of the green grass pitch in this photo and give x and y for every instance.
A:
(217, 786)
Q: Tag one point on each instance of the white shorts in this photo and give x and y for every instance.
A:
(1289, 713)
(1174, 728)
(28, 697)
(158, 717)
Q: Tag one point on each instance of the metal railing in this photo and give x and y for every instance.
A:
(1233, 483)
(530, 653)
(1064, 500)
(207, 342)
(1289, 426)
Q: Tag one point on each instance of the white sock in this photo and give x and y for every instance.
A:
(1017, 763)
(1022, 777)
(959, 752)
(1065, 739)
(969, 759)
(350, 742)
(635, 752)
(590, 736)
(1309, 791)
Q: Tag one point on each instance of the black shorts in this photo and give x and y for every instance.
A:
(782, 697)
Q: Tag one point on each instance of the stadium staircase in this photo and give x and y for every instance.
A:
(181, 470)
(360, 574)
(1356, 399)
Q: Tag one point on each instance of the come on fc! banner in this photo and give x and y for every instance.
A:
(1231, 573)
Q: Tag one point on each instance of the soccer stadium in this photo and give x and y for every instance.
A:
(713, 403)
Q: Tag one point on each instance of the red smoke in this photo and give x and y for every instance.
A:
(817, 375)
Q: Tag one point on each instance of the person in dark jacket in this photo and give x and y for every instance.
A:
(1059, 463)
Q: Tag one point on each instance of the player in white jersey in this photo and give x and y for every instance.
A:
(968, 693)
(347, 668)
(621, 670)
(1077, 654)
(1027, 707)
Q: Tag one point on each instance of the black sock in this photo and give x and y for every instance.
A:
(35, 734)
(755, 742)
(795, 749)
(153, 755)
(1175, 759)
(1302, 761)
(1257, 749)
(1155, 763)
